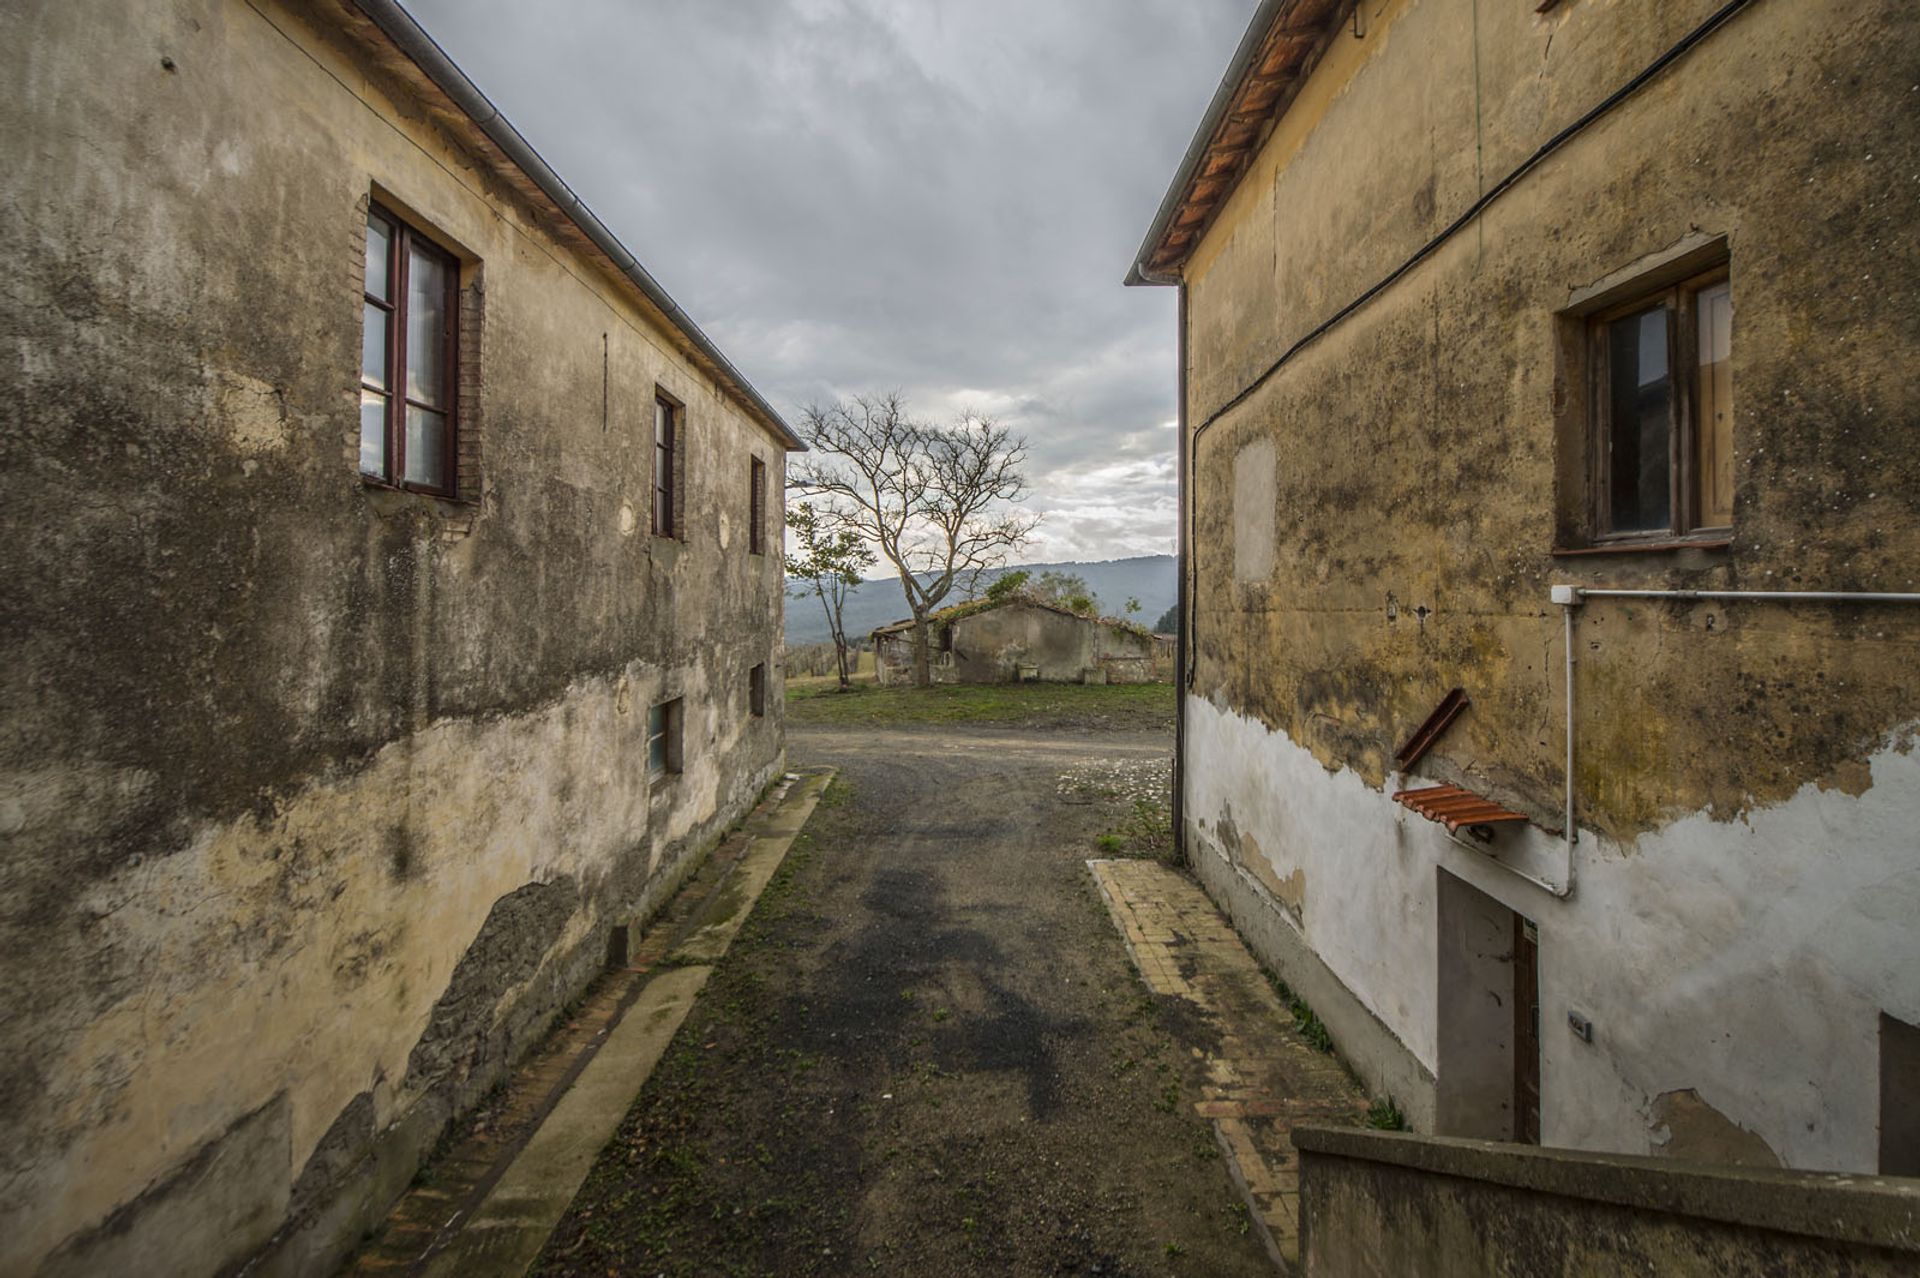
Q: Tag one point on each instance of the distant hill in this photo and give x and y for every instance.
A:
(1149, 578)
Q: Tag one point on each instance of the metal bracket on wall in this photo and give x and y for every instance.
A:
(1429, 732)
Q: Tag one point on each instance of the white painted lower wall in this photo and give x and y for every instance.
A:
(1748, 960)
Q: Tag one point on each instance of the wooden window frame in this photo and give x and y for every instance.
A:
(666, 465)
(756, 506)
(757, 691)
(405, 239)
(1683, 525)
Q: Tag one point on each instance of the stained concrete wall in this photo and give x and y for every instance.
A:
(1380, 1205)
(995, 645)
(1746, 785)
(316, 799)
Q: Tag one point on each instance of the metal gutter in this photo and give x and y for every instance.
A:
(1243, 58)
(1784, 596)
(1181, 602)
(1570, 597)
(412, 39)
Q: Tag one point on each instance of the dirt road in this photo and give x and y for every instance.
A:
(927, 1052)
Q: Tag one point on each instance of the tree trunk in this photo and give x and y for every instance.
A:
(922, 668)
(835, 628)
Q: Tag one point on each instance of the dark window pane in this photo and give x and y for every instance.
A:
(379, 256)
(426, 447)
(427, 329)
(373, 434)
(663, 737)
(373, 346)
(1640, 403)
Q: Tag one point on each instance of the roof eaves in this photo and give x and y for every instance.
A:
(1234, 85)
(412, 39)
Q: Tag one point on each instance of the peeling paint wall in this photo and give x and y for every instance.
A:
(1747, 872)
(316, 800)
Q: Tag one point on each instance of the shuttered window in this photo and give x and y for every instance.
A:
(666, 431)
(757, 507)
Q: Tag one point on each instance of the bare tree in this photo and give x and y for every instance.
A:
(934, 500)
(832, 556)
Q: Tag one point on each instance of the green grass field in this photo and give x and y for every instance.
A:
(1139, 706)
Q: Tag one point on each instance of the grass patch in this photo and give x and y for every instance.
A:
(1385, 1116)
(1134, 705)
(1146, 832)
(1310, 1025)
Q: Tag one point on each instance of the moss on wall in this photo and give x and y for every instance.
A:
(1417, 491)
(278, 743)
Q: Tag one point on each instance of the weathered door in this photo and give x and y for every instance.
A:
(1526, 1031)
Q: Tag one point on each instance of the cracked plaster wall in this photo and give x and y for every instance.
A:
(278, 746)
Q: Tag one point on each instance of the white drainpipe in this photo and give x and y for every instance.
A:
(1571, 597)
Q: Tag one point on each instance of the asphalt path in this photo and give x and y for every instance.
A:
(928, 1052)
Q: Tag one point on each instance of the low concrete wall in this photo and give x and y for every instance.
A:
(1392, 1203)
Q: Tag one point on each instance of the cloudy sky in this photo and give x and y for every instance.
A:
(933, 196)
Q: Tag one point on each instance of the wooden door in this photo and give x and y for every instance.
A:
(1526, 1031)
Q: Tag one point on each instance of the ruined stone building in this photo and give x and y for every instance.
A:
(1484, 306)
(392, 617)
(1019, 640)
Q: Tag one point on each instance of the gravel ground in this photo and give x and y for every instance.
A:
(927, 1053)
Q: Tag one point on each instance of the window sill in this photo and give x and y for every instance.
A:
(1644, 547)
(381, 485)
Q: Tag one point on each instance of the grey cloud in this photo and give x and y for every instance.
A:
(876, 194)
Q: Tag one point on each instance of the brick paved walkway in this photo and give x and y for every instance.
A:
(1262, 1077)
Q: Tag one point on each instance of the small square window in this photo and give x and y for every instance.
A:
(757, 507)
(1660, 369)
(757, 690)
(409, 357)
(663, 738)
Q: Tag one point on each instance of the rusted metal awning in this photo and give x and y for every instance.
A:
(1453, 807)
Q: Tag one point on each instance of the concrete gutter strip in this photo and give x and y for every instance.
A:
(1875, 1211)
(506, 1232)
(412, 39)
(510, 1226)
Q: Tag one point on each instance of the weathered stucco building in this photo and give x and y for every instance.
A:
(1483, 300)
(391, 619)
(1018, 640)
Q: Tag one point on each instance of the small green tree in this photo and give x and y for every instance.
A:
(1006, 585)
(1133, 605)
(1067, 590)
(1169, 621)
(830, 558)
